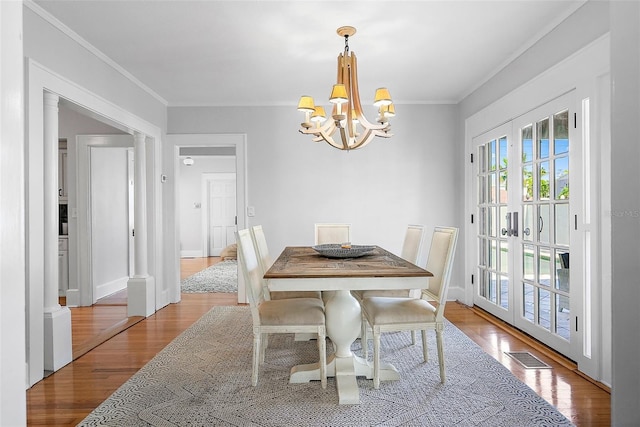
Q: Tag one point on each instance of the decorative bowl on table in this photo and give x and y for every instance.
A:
(343, 251)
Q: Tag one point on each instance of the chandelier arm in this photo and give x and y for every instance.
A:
(317, 130)
(329, 140)
(347, 73)
(369, 137)
(365, 137)
(324, 134)
(345, 139)
(355, 90)
(356, 98)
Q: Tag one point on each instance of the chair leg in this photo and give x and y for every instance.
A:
(263, 347)
(413, 337)
(257, 354)
(439, 330)
(425, 350)
(364, 338)
(322, 348)
(376, 357)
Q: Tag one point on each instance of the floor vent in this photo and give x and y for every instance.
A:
(527, 360)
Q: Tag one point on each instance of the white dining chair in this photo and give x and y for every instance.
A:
(282, 316)
(265, 261)
(387, 314)
(410, 251)
(326, 233)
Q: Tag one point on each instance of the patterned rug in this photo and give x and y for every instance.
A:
(220, 277)
(203, 378)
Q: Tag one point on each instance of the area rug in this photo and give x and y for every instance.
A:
(220, 277)
(203, 378)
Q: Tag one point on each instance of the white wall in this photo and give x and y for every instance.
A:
(294, 183)
(625, 211)
(72, 123)
(13, 402)
(191, 232)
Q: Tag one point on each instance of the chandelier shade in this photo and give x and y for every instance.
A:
(306, 104)
(388, 110)
(318, 115)
(339, 94)
(347, 128)
(382, 97)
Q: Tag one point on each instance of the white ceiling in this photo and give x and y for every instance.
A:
(240, 53)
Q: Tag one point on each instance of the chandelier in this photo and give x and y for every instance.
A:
(348, 128)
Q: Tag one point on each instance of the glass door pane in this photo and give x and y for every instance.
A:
(494, 254)
(544, 169)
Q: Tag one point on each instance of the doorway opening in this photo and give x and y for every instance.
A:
(210, 156)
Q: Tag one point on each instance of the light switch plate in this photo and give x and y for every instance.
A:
(251, 211)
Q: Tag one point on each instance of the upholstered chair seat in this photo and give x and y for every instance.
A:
(398, 311)
(282, 316)
(387, 314)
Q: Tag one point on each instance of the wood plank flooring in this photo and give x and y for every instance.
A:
(68, 395)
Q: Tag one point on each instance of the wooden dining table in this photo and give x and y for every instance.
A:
(301, 268)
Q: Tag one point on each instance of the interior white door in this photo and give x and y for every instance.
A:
(525, 232)
(222, 212)
(109, 210)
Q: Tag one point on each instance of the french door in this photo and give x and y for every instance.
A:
(525, 234)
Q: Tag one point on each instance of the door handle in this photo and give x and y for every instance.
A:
(512, 225)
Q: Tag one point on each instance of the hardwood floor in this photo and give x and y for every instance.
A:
(578, 398)
(68, 395)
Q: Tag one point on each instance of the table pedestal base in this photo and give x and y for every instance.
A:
(345, 370)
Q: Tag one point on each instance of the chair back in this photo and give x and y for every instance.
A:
(253, 274)
(412, 243)
(440, 263)
(332, 233)
(262, 250)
